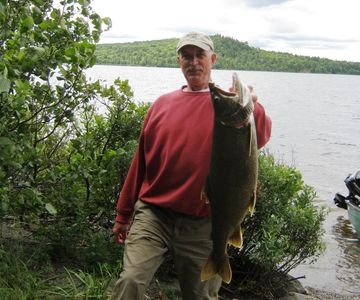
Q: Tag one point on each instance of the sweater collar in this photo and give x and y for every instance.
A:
(184, 89)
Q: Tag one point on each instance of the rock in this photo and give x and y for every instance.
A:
(287, 284)
(294, 285)
(296, 296)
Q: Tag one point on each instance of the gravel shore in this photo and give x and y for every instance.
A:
(307, 293)
(324, 295)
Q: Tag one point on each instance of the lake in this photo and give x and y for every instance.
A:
(316, 128)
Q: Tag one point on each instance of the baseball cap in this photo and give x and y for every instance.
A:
(196, 39)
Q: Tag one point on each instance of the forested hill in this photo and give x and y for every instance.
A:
(232, 55)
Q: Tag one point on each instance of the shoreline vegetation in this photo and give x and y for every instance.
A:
(69, 279)
(232, 55)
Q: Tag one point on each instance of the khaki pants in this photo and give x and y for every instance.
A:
(156, 232)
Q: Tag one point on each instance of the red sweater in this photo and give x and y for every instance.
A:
(173, 157)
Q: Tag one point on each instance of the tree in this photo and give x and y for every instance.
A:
(44, 51)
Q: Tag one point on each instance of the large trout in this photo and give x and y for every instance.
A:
(232, 179)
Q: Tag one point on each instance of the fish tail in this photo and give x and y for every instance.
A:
(223, 269)
(236, 239)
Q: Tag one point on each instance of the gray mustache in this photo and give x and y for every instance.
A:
(194, 69)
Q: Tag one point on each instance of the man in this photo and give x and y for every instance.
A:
(162, 195)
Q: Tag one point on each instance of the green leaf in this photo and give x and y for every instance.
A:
(4, 203)
(107, 21)
(5, 141)
(4, 84)
(27, 23)
(2, 12)
(99, 120)
(51, 209)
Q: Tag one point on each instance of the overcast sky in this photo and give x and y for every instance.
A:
(324, 28)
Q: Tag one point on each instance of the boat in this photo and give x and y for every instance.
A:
(354, 216)
(352, 201)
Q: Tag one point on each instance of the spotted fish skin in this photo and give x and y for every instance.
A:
(232, 179)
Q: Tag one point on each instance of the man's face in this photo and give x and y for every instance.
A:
(196, 65)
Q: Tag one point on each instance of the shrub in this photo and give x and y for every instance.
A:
(62, 161)
(285, 231)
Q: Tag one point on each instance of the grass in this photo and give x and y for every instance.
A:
(23, 278)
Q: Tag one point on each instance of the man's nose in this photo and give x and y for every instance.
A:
(194, 60)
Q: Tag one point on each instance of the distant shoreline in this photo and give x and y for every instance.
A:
(231, 53)
(218, 69)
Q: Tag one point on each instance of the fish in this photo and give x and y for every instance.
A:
(232, 179)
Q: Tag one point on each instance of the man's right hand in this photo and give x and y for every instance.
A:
(120, 232)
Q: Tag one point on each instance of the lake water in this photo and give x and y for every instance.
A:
(316, 128)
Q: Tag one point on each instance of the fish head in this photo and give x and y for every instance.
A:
(233, 107)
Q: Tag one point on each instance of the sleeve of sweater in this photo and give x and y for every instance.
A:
(263, 125)
(131, 188)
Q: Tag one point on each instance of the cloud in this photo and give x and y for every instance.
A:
(310, 46)
(308, 27)
(263, 3)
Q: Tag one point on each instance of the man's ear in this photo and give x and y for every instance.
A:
(213, 58)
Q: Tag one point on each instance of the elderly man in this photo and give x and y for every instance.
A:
(162, 196)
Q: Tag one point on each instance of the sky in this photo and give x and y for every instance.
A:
(322, 28)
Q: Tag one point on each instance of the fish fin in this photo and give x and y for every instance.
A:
(208, 270)
(203, 196)
(206, 190)
(252, 203)
(250, 138)
(236, 239)
(223, 269)
(237, 87)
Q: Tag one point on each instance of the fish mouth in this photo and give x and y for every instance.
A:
(230, 107)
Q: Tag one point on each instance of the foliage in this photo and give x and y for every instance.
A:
(66, 143)
(44, 51)
(16, 279)
(21, 279)
(285, 230)
(158, 53)
(86, 285)
(232, 55)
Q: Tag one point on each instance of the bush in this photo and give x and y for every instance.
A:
(62, 160)
(285, 231)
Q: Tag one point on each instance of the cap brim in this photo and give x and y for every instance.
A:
(197, 44)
